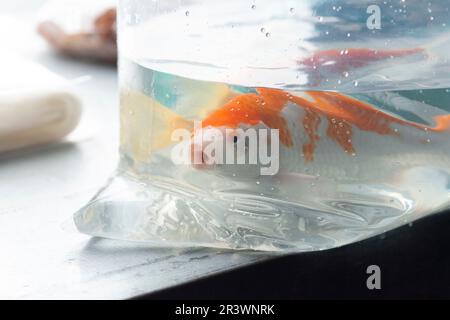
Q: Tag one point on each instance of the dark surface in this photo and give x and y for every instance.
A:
(414, 262)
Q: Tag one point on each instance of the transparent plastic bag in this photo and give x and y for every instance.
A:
(279, 126)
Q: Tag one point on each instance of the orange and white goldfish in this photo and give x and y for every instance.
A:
(328, 134)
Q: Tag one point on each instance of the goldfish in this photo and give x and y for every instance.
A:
(326, 133)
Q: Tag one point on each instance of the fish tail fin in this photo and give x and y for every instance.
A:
(442, 123)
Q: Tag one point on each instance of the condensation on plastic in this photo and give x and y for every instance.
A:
(285, 44)
(181, 60)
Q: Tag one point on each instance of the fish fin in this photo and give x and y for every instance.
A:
(442, 123)
(274, 98)
(276, 121)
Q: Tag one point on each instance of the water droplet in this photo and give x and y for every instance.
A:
(346, 74)
(187, 13)
(267, 34)
(253, 6)
(257, 182)
(263, 30)
(292, 10)
(355, 83)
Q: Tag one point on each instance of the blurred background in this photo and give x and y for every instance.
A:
(91, 147)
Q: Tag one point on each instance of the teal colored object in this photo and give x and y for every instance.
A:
(240, 89)
(162, 89)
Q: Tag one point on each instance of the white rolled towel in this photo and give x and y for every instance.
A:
(36, 106)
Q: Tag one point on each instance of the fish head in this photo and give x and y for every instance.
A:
(236, 138)
(229, 151)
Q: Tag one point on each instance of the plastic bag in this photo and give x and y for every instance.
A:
(224, 144)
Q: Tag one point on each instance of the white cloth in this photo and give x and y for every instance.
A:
(36, 106)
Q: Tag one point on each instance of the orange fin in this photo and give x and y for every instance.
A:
(442, 123)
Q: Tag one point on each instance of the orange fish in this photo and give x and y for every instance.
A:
(316, 127)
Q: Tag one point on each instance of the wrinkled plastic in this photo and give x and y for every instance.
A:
(352, 164)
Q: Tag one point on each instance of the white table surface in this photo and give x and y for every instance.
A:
(41, 253)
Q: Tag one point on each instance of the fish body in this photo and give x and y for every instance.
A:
(334, 135)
